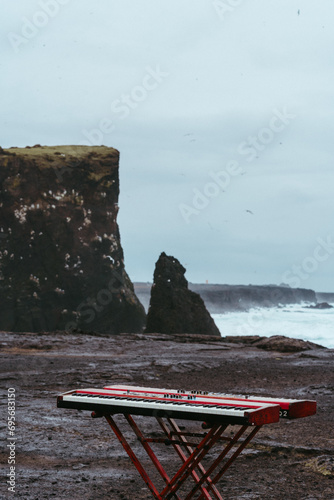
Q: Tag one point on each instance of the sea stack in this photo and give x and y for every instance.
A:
(173, 307)
(61, 260)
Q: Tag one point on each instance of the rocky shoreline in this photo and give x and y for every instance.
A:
(65, 454)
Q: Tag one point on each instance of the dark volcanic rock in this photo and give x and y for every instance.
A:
(61, 261)
(280, 343)
(173, 307)
(321, 305)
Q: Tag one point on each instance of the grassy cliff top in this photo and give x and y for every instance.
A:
(75, 151)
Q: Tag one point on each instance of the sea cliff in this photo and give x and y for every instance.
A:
(61, 260)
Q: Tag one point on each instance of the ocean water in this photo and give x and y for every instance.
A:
(295, 321)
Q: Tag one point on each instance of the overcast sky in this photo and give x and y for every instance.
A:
(222, 112)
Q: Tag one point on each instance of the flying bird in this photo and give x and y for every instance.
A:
(249, 212)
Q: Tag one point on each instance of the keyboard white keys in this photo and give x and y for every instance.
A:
(107, 401)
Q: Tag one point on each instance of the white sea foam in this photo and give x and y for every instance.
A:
(295, 321)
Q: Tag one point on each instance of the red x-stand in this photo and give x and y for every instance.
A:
(191, 455)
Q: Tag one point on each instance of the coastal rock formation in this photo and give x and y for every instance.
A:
(173, 307)
(61, 260)
(321, 305)
(280, 343)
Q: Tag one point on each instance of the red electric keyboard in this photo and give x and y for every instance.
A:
(216, 410)
(112, 400)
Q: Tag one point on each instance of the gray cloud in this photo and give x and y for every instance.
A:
(226, 76)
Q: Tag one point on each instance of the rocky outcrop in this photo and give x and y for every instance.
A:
(321, 305)
(61, 260)
(280, 343)
(173, 307)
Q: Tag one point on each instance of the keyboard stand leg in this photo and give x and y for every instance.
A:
(183, 457)
(193, 460)
(148, 449)
(133, 457)
(229, 461)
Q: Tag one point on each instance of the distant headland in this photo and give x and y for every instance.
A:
(232, 298)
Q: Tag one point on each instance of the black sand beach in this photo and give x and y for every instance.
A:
(66, 454)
